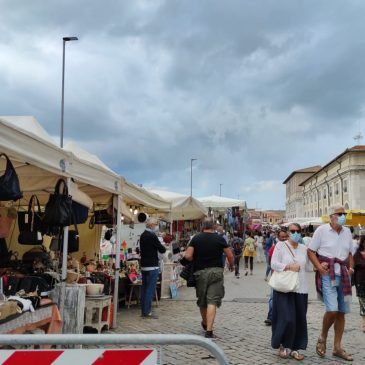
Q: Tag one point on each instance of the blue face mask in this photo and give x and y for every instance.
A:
(341, 220)
(295, 237)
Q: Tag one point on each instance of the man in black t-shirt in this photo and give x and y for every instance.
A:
(206, 249)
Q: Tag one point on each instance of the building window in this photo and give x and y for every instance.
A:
(337, 189)
(325, 210)
(324, 194)
(330, 192)
(320, 212)
(315, 197)
(345, 186)
(319, 195)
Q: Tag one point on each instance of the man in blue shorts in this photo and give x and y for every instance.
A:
(330, 252)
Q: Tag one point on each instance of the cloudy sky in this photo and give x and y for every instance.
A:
(252, 89)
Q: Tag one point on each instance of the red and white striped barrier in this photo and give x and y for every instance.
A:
(79, 357)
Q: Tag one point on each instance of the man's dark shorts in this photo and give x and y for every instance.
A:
(209, 286)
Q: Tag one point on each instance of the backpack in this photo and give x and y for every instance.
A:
(236, 245)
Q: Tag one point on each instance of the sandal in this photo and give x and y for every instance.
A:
(342, 354)
(296, 355)
(321, 347)
(283, 352)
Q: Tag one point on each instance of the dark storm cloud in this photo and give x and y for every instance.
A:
(252, 89)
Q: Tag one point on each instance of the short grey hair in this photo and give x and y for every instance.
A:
(208, 223)
(151, 220)
(333, 209)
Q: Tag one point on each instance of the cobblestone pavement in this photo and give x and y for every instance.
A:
(239, 326)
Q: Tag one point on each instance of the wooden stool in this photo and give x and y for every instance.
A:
(131, 291)
(94, 311)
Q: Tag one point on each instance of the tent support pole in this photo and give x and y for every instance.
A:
(64, 263)
(117, 261)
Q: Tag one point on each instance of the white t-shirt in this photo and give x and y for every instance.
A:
(282, 257)
(327, 242)
(307, 240)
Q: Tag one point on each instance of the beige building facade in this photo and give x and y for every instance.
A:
(340, 182)
(294, 204)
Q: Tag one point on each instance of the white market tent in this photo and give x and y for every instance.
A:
(183, 207)
(305, 221)
(39, 163)
(221, 203)
(144, 200)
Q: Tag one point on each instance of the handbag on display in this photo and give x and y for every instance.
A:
(9, 182)
(58, 210)
(101, 217)
(73, 239)
(285, 281)
(80, 212)
(30, 224)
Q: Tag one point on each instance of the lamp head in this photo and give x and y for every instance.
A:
(67, 39)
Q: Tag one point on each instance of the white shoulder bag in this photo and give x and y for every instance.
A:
(285, 281)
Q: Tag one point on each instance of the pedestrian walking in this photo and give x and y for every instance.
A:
(331, 254)
(205, 250)
(260, 249)
(269, 241)
(289, 313)
(150, 246)
(249, 252)
(237, 244)
(359, 278)
(282, 237)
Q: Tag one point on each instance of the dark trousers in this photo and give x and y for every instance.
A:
(237, 264)
(149, 282)
(289, 320)
(251, 262)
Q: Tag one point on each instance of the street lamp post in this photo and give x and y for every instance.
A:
(65, 39)
(191, 175)
(220, 189)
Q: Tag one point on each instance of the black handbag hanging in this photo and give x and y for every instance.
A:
(58, 210)
(73, 240)
(30, 224)
(9, 182)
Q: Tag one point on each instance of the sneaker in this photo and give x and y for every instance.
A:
(267, 322)
(238, 276)
(150, 316)
(246, 273)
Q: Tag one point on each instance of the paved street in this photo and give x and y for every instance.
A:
(239, 325)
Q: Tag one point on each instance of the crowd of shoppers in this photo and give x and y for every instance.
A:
(337, 258)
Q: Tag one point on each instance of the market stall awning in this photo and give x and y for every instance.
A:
(144, 200)
(355, 217)
(221, 203)
(183, 207)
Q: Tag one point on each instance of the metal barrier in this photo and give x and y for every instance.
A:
(122, 339)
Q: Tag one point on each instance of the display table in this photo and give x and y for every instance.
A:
(94, 308)
(47, 318)
(136, 289)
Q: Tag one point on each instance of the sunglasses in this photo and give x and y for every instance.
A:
(294, 231)
(341, 214)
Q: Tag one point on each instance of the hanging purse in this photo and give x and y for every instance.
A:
(30, 224)
(73, 239)
(285, 281)
(9, 182)
(58, 210)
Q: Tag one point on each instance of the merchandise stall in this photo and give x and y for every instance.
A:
(39, 163)
(186, 213)
(231, 213)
